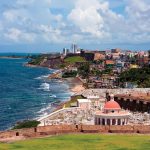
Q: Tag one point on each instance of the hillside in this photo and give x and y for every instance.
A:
(139, 76)
(82, 142)
(54, 61)
(74, 59)
(46, 60)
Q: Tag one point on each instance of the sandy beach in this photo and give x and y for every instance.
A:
(75, 85)
(77, 88)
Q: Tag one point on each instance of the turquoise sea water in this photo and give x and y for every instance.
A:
(25, 93)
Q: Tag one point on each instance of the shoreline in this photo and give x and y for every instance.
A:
(7, 57)
(75, 85)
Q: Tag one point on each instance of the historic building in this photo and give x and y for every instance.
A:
(138, 102)
(112, 114)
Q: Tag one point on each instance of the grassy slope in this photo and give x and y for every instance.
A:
(83, 142)
(74, 59)
(73, 100)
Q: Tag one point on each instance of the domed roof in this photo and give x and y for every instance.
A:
(112, 105)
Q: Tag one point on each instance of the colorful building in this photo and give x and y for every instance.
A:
(109, 63)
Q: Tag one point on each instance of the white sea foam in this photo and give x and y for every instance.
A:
(43, 103)
(42, 77)
(9, 108)
(45, 86)
(44, 110)
(54, 96)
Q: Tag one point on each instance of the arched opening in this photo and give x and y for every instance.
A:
(138, 131)
(119, 122)
(113, 121)
(99, 121)
(17, 133)
(108, 121)
(103, 121)
(35, 129)
(123, 122)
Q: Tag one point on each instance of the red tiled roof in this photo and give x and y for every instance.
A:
(112, 105)
(109, 62)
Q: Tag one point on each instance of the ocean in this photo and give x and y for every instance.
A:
(25, 92)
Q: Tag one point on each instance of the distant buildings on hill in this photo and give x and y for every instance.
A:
(74, 50)
(134, 57)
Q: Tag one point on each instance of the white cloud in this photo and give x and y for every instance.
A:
(10, 15)
(24, 2)
(86, 16)
(85, 21)
(18, 35)
(50, 34)
(138, 20)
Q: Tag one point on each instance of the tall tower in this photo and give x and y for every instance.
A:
(74, 48)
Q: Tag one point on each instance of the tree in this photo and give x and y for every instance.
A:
(84, 70)
(140, 76)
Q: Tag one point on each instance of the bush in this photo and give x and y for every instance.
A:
(26, 124)
(69, 74)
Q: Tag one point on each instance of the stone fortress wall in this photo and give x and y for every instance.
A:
(102, 92)
(63, 129)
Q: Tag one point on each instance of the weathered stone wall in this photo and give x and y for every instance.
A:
(57, 129)
(141, 129)
(60, 129)
(94, 129)
(122, 129)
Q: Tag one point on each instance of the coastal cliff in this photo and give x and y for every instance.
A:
(46, 60)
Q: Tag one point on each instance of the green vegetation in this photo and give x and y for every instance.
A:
(83, 142)
(139, 76)
(62, 66)
(36, 59)
(84, 70)
(107, 71)
(96, 72)
(69, 74)
(74, 59)
(73, 100)
(26, 124)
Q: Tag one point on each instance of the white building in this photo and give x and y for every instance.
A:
(112, 114)
(84, 104)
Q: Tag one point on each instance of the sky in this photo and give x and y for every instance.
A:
(50, 25)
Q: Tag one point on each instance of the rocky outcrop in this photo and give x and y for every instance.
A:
(53, 62)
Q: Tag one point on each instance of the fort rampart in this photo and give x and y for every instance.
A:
(61, 129)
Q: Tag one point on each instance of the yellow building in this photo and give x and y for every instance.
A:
(133, 66)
